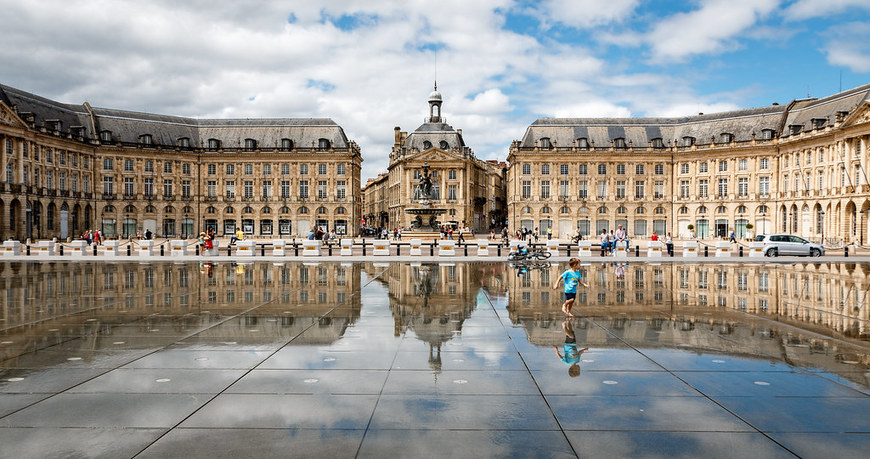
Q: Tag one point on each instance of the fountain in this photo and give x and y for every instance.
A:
(426, 220)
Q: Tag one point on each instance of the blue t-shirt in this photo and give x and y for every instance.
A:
(571, 278)
(572, 355)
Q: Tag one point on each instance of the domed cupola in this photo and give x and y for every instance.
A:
(435, 106)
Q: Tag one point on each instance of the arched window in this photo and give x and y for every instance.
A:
(741, 209)
(211, 210)
(621, 210)
(427, 144)
(183, 142)
(340, 211)
(214, 144)
(284, 210)
(657, 143)
(286, 144)
(108, 209)
(527, 210)
(545, 210)
(247, 210)
(702, 210)
(146, 139)
(726, 137)
(659, 210)
(583, 143)
(187, 210)
(229, 210)
(688, 141)
(545, 142)
(266, 210)
(302, 210)
(684, 210)
(721, 210)
(640, 210)
(130, 208)
(762, 209)
(321, 210)
(169, 209)
(602, 210)
(565, 210)
(250, 144)
(149, 209)
(444, 145)
(323, 144)
(619, 142)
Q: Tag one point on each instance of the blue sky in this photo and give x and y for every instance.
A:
(370, 66)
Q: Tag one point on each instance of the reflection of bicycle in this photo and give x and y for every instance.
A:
(523, 254)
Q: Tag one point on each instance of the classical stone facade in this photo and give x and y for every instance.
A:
(799, 168)
(69, 168)
(471, 190)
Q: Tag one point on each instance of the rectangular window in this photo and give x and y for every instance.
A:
(321, 169)
(620, 169)
(743, 186)
(249, 189)
(148, 186)
(545, 189)
(451, 192)
(231, 169)
(723, 166)
(684, 168)
(660, 169)
(285, 188)
(703, 167)
(820, 184)
(764, 163)
(545, 169)
(527, 189)
(602, 189)
(684, 188)
(659, 189)
(167, 188)
(267, 189)
(185, 168)
(451, 174)
(321, 189)
(167, 167)
(620, 189)
(303, 189)
(602, 169)
(211, 188)
(638, 169)
(743, 165)
(230, 186)
(128, 186)
(212, 169)
(303, 169)
(128, 165)
(563, 169)
(563, 189)
(249, 169)
(341, 189)
(584, 192)
(339, 169)
(583, 169)
(702, 188)
(185, 188)
(285, 169)
(639, 189)
(107, 164)
(75, 183)
(62, 181)
(108, 185)
(86, 184)
(722, 190)
(527, 169)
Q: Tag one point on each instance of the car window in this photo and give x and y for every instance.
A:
(775, 238)
(759, 238)
(799, 240)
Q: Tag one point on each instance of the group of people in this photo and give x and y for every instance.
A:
(610, 241)
(206, 240)
(93, 237)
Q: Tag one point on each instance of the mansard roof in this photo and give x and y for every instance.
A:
(127, 126)
(434, 133)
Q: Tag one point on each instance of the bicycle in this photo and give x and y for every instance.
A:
(537, 254)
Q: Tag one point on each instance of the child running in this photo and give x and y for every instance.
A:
(571, 277)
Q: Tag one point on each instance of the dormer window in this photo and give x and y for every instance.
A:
(545, 142)
(657, 143)
(214, 144)
(795, 129)
(726, 137)
(767, 134)
(286, 144)
(819, 123)
(146, 139)
(323, 144)
(444, 146)
(53, 125)
(105, 136)
(619, 142)
(77, 131)
(427, 144)
(250, 144)
(184, 142)
(688, 141)
(583, 143)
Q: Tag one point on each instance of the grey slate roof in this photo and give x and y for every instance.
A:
(434, 133)
(127, 126)
(826, 108)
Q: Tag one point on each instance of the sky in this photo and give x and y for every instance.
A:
(370, 65)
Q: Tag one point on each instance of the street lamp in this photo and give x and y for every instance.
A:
(764, 222)
(822, 224)
(861, 227)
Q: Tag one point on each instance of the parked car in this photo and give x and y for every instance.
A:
(787, 244)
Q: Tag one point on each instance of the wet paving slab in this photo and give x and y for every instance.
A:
(460, 359)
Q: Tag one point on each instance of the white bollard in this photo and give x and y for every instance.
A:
(416, 245)
(46, 248)
(756, 249)
(310, 248)
(381, 247)
(12, 248)
(654, 249)
(723, 249)
(620, 251)
(446, 248)
(177, 248)
(346, 247)
(482, 248)
(111, 248)
(245, 248)
(79, 248)
(146, 248)
(553, 247)
(584, 249)
(213, 251)
(278, 247)
(690, 249)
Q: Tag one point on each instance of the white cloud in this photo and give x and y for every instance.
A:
(583, 14)
(849, 46)
(712, 28)
(806, 9)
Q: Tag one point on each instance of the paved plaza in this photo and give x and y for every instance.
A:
(421, 359)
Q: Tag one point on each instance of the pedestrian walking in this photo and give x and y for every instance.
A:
(571, 278)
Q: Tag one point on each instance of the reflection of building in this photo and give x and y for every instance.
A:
(274, 302)
(799, 168)
(471, 190)
(69, 168)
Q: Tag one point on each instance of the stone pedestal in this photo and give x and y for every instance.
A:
(620, 251)
(79, 248)
(482, 248)
(584, 249)
(278, 247)
(654, 249)
(723, 249)
(46, 248)
(11, 248)
(310, 248)
(446, 248)
(111, 248)
(245, 248)
(553, 247)
(346, 247)
(178, 248)
(381, 247)
(690, 249)
(756, 249)
(416, 245)
(213, 251)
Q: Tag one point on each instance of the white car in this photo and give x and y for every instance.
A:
(787, 244)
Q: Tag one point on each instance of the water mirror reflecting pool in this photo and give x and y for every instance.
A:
(366, 359)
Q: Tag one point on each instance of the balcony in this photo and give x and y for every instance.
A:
(109, 196)
(168, 197)
(210, 199)
(247, 198)
(129, 196)
(64, 193)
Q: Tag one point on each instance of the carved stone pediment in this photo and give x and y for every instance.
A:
(861, 115)
(9, 117)
(433, 155)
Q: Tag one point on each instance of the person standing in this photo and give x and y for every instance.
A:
(571, 278)
(603, 242)
(669, 244)
(550, 233)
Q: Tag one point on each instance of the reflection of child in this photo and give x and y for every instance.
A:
(571, 277)
(572, 355)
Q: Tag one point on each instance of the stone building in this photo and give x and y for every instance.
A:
(471, 189)
(798, 168)
(69, 168)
